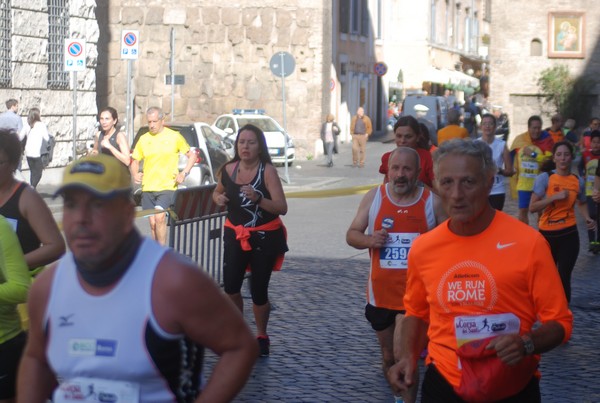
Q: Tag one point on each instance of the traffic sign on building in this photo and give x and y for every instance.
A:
(130, 44)
(74, 54)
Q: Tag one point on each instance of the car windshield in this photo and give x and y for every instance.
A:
(266, 125)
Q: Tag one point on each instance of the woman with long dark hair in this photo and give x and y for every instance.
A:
(254, 234)
(555, 194)
(407, 133)
(110, 139)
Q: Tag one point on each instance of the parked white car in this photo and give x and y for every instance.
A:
(275, 135)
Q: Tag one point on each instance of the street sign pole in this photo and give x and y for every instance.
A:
(287, 176)
(74, 115)
(74, 62)
(283, 64)
(129, 51)
(128, 109)
(172, 68)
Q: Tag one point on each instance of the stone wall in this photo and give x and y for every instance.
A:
(514, 72)
(30, 75)
(223, 50)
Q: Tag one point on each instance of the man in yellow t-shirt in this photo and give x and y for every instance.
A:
(159, 149)
(529, 149)
(466, 292)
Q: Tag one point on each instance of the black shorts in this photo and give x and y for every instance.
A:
(10, 354)
(381, 318)
(162, 200)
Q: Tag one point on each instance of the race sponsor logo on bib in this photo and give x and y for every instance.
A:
(394, 254)
(469, 328)
(93, 347)
(83, 389)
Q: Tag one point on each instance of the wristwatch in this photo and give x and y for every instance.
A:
(185, 173)
(527, 344)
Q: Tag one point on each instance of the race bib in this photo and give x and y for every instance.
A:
(469, 328)
(394, 254)
(529, 169)
(83, 389)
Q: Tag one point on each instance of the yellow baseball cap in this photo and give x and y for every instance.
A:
(101, 174)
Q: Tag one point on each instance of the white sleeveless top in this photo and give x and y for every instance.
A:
(497, 147)
(115, 337)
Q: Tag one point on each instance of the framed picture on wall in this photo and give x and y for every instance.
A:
(566, 34)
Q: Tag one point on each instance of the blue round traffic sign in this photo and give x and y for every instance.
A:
(75, 49)
(130, 39)
(380, 68)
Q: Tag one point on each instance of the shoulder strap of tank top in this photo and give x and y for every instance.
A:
(235, 171)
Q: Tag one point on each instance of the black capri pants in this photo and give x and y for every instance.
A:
(261, 260)
(564, 245)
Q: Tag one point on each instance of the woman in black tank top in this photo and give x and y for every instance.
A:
(30, 217)
(254, 235)
(110, 139)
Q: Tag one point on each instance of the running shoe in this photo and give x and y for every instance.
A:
(264, 344)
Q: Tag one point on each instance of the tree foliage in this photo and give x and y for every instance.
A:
(564, 93)
(555, 83)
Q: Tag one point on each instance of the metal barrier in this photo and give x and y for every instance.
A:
(196, 228)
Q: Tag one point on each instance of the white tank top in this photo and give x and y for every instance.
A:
(111, 337)
(497, 147)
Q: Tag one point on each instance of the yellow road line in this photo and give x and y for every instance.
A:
(308, 194)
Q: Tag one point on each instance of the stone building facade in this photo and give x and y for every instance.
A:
(32, 68)
(521, 47)
(223, 51)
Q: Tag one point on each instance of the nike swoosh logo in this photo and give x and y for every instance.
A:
(504, 245)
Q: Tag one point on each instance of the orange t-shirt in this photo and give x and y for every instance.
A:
(471, 287)
(561, 213)
(451, 132)
(403, 223)
(557, 136)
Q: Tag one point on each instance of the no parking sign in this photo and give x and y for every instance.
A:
(74, 54)
(130, 44)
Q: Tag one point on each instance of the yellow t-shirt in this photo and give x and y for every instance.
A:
(160, 153)
(528, 166)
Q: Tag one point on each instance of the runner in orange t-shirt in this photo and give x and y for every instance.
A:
(491, 276)
(388, 220)
(555, 195)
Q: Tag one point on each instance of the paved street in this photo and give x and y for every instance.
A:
(323, 349)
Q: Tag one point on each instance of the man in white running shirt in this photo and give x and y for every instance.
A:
(122, 318)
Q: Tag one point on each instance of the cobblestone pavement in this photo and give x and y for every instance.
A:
(323, 349)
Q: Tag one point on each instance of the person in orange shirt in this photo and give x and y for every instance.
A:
(555, 195)
(556, 129)
(393, 215)
(466, 293)
(453, 130)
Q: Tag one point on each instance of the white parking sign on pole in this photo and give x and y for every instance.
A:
(130, 44)
(74, 54)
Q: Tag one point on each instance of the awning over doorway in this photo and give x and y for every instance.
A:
(446, 76)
